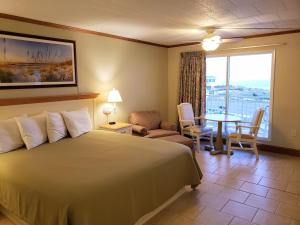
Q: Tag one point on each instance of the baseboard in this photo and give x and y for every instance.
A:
(275, 149)
(278, 149)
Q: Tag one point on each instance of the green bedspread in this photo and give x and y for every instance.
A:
(100, 178)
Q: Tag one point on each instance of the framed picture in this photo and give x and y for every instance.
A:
(28, 61)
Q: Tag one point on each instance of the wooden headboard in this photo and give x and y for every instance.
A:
(57, 98)
(11, 107)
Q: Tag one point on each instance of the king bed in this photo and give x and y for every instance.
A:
(99, 178)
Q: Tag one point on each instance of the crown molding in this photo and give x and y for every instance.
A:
(71, 28)
(273, 34)
(245, 37)
(184, 44)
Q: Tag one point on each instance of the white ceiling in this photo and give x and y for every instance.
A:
(165, 22)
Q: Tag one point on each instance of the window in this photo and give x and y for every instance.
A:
(238, 85)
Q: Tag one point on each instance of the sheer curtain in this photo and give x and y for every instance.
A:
(192, 87)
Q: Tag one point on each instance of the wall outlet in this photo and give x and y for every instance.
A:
(293, 132)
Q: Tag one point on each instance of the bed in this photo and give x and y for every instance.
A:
(100, 178)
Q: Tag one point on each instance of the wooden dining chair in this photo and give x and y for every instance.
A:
(250, 137)
(189, 127)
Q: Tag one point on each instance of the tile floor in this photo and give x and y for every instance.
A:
(240, 191)
(237, 191)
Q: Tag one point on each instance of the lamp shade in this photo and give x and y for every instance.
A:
(114, 96)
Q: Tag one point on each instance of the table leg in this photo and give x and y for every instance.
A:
(219, 142)
(219, 148)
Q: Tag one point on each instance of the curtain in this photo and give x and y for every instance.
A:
(192, 86)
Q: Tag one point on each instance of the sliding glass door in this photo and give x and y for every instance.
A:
(216, 84)
(239, 85)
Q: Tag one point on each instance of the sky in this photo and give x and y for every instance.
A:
(245, 70)
(27, 51)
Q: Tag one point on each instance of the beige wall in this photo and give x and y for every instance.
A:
(286, 103)
(147, 76)
(139, 71)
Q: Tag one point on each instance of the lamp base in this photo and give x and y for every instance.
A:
(112, 123)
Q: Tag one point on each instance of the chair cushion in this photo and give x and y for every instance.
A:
(149, 119)
(197, 129)
(160, 133)
(179, 139)
(243, 136)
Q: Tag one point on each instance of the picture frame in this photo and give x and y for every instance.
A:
(31, 61)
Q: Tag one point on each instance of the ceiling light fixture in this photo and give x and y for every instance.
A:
(211, 43)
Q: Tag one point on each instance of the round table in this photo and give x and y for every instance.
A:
(220, 118)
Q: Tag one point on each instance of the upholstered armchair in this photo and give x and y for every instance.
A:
(149, 124)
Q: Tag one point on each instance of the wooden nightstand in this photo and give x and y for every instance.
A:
(122, 128)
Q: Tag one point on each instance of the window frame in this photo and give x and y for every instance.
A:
(228, 55)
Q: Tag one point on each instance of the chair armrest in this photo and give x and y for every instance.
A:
(140, 130)
(244, 122)
(241, 124)
(165, 125)
(239, 128)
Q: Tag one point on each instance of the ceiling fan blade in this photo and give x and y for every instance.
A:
(223, 40)
(255, 28)
(229, 40)
(193, 42)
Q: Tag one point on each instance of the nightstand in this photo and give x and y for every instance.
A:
(122, 128)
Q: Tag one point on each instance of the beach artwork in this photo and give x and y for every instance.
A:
(28, 62)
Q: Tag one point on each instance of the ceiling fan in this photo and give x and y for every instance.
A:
(212, 41)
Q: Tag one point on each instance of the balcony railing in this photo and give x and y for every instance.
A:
(243, 107)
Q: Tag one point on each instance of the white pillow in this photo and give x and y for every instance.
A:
(33, 130)
(10, 137)
(56, 127)
(78, 122)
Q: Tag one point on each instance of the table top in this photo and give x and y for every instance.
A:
(116, 126)
(221, 118)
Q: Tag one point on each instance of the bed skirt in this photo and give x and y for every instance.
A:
(141, 221)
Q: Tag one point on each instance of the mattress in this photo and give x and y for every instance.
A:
(100, 178)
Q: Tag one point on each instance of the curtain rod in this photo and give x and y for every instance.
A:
(253, 46)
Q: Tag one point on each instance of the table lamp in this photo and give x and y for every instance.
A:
(114, 97)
